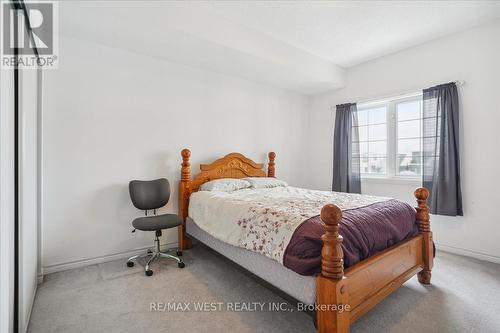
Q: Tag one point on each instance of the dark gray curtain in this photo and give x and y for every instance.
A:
(440, 148)
(346, 158)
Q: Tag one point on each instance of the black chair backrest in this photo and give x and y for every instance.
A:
(149, 194)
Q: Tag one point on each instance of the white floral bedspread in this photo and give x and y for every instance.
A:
(264, 220)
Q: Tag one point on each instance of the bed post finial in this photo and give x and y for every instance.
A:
(331, 285)
(270, 167)
(184, 241)
(186, 166)
(422, 194)
(424, 227)
(332, 257)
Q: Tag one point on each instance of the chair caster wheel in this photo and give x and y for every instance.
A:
(179, 253)
(130, 264)
(149, 272)
(149, 251)
(181, 265)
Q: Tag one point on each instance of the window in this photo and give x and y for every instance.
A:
(390, 138)
(372, 129)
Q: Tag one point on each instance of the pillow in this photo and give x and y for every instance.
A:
(265, 182)
(225, 185)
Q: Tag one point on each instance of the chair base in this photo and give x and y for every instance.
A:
(153, 255)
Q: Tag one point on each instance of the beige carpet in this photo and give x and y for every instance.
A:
(464, 297)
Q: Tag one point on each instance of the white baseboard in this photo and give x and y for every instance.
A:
(98, 260)
(468, 253)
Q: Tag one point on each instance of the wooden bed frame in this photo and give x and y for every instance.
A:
(355, 290)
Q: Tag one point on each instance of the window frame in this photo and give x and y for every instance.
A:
(390, 104)
(368, 106)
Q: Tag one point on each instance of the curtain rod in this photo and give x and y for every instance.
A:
(394, 96)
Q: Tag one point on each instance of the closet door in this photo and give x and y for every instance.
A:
(28, 193)
(19, 110)
(6, 200)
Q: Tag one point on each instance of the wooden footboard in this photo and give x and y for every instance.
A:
(342, 297)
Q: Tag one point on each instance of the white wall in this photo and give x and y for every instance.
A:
(473, 56)
(111, 116)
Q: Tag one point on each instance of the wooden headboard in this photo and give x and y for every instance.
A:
(234, 165)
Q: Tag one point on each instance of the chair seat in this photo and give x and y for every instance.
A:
(158, 222)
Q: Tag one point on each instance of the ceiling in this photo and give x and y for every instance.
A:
(303, 46)
(351, 32)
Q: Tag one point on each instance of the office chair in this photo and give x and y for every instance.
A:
(151, 195)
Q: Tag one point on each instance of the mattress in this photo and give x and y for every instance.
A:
(302, 288)
(282, 223)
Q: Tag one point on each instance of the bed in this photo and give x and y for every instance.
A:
(355, 285)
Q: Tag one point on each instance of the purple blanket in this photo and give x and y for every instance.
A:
(366, 231)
